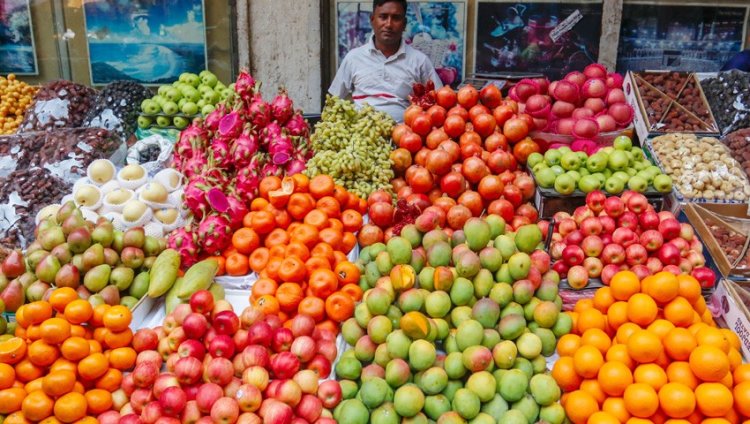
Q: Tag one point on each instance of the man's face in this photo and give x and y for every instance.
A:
(388, 23)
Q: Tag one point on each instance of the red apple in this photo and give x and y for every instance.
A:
(613, 253)
(686, 231)
(593, 266)
(629, 220)
(637, 203)
(151, 412)
(608, 272)
(560, 267)
(180, 312)
(257, 376)
(140, 398)
(614, 206)
(249, 398)
(275, 412)
(260, 333)
(151, 356)
(308, 380)
(282, 340)
(560, 215)
(566, 226)
(652, 240)
(592, 246)
(648, 220)
(256, 355)
(226, 322)
(289, 392)
(145, 339)
(284, 365)
(705, 276)
(669, 254)
(309, 408)
(608, 224)
(669, 228)
(654, 265)
(624, 236)
(144, 375)
(195, 325)
(641, 271)
(674, 269)
(192, 348)
(578, 277)
(191, 413)
(556, 249)
(636, 254)
(581, 213)
(329, 393)
(576, 237)
(304, 348)
(540, 261)
(202, 302)
(172, 400)
(595, 201)
(321, 365)
(225, 411)
(163, 382)
(682, 245)
(685, 266)
(591, 226)
(188, 370)
(573, 255)
(696, 259)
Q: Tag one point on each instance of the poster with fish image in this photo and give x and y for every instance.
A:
(148, 41)
(436, 28)
(17, 50)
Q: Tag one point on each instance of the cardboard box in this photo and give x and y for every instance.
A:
(549, 205)
(698, 216)
(733, 312)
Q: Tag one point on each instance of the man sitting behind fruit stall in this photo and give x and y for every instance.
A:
(382, 72)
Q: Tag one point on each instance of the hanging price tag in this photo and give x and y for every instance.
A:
(566, 25)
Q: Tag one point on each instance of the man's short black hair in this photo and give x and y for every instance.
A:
(377, 3)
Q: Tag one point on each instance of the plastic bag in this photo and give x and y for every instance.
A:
(58, 104)
(727, 94)
(153, 153)
(116, 108)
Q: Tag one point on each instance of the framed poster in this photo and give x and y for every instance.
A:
(550, 38)
(17, 50)
(680, 37)
(150, 42)
(436, 28)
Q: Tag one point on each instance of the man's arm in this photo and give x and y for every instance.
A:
(342, 84)
(428, 73)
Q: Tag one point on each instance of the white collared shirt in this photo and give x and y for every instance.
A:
(383, 82)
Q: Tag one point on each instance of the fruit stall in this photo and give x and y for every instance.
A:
(562, 251)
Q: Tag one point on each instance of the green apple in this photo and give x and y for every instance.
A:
(617, 160)
(631, 158)
(574, 174)
(201, 103)
(173, 95)
(552, 157)
(538, 167)
(597, 162)
(623, 143)
(208, 78)
(583, 156)
(219, 86)
(545, 177)
(534, 159)
(189, 108)
(638, 184)
(663, 183)
(600, 177)
(557, 169)
(170, 108)
(646, 176)
(565, 184)
(192, 79)
(144, 122)
(640, 165)
(588, 183)
(150, 107)
(608, 150)
(191, 94)
(159, 99)
(163, 121)
(653, 170)
(584, 171)
(181, 103)
(631, 171)
(564, 149)
(206, 109)
(622, 175)
(570, 161)
(614, 185)
(638, 152)
(180, 122)
(162, 90)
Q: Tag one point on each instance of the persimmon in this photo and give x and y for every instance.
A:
(262, 287)
(263, 222)
(329, 205)
(297, 249)
(277, 251)
(347, 273)
(305, 234)
(339, 306)
(313, 307)
(352, 220)
(237, 264)
(259, 259)
(245, 240)
(289, 295)
(299, 205)
(268, 184)
(292, 269)
(272, 268)
(318, 218)
(348, 241)
(332, 237)
(267, 304)
(117, 318)
(354, 291)
(317, 262)
(277, 236)
(323, 282)
(321, 186)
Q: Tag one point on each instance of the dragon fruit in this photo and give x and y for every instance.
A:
(237, 211)
(245, 146)
(220, 153)
(271, 169)
(192, 138)
(213, 119)
(215, 233)
(230, 126)
(295, 166)
(297, 126)
(269, 133)
(245, 86)
(281, 149)
(183, 240)
(282, 107)
(259, 112)
(195, 197)
(194, 166)
(247, 179)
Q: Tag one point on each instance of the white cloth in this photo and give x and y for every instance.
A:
(384, 83)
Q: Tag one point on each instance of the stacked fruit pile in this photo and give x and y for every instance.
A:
(612, 169)
(296, 237)
(351, 145)
(225, 368)
(66, 362)
(102, 264)
(490, 303)
(225, 156)
(648, 351)
(15, 99)
(610, 234)
(178, 103)
(585, 104)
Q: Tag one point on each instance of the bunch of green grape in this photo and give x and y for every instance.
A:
(353, 147)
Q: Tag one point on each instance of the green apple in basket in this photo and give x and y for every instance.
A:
(663, 183)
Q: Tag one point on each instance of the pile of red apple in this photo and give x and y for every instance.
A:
(611, 234)
(225, 368)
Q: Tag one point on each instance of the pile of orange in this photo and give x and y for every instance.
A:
(649, 352)
(296, 237)
(65, 361)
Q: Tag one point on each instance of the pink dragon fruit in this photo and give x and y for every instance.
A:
(215, 233)
(245, 86)
(271, 169)
(183, 240)
(282, 107)
(195, 197)
(192, 138)
(295, 166)
(194, 166)
(237, 211)
(230, 125)
(281, 149)
(245, 146)
(297, 126)
(247, 181)
(220, 153)
(269, 133)
(212, 120)
(259, 112)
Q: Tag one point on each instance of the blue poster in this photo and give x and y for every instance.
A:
(17, 53)
(151, 42)
(436, 28)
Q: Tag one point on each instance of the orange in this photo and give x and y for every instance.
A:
(63, 364)
(7, 376)
(644, 346)
(709, 363)
(587, 360)
(689, 287)
(115, 340)
(55, 330)
(593, 388)
(58, 383)
(37, 312)
(634, 420)
(122, 358)
(616, 406)
(603, 418)
(625, 331)
(583, 305)
(650, 374)
(110, 381)
(579, 406)
(714, 337)
(614, 377)
(663, 287)
(37, 406)
(11, 399)
(61, 297)
(742, 373)
(78, 311)
(660, 327)
(603, 299)
(742, 398)
(98, 401)
(16, 418)
(117, 318)
(714, 399)
(641, 400)
(680, 312)
(597, 338)
(677, 400)
(619, 353)
(591, 318)
(563, 371)
(642, 309)
(97, 320)
(678, 344)
(732, 338)
(624, 284)
(93, 366)
(70, 407)
(42, 354)
(26, 371)
(75, 348)
(680, 372)
(617, 315)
